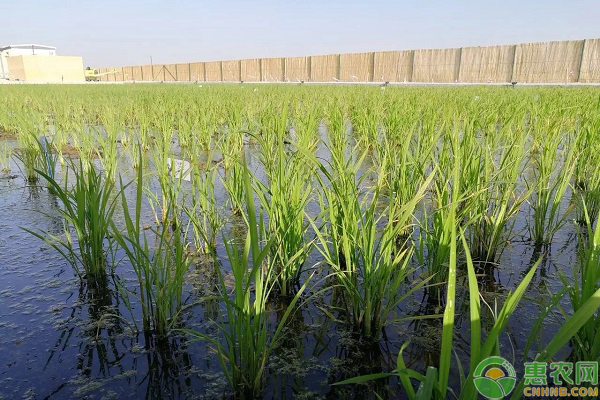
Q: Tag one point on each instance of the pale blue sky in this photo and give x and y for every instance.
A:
(120, 33)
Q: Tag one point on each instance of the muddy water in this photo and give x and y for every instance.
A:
(61, 339)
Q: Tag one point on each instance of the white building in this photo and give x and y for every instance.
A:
(22, 50)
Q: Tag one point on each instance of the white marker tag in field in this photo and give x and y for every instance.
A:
(181, 167)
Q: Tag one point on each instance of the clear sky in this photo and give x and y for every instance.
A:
(121, 33)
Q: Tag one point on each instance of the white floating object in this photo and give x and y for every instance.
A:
(182, 168)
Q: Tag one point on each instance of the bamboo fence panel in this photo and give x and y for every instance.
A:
(112, 77)
(272, 69)
(549, 62)
(231, 71)
(250, 70)
(158, 72)
(147, 74)
(197, 72)
(131, 73)
(324, 68)
(590, 62)
(486, 64)
(213, 71)
(120, 77)
(170, 72)
(296, 69)
(126, 73)
(183, 72)
(356, 67)
(436, 65)
(136, 73)
(393, 66)
(101, 78)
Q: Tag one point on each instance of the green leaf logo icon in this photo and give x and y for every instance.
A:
(494, 378)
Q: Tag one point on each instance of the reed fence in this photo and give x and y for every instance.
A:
(548, 62)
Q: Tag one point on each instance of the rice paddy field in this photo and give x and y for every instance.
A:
(297, 242)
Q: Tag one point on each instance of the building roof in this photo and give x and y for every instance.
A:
(27, 46)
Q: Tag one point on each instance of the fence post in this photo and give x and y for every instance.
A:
(412, 66)
(372, 70)
(581, 60)
(457, 74)
(284, 68)
(512, 72)
(189, 72)
(221, 68)
(260, 74)
(204, 70)
(339, 67)
(309, 67)
(240, 69)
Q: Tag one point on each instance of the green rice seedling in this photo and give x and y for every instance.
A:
(273, 137)
(64, 123)
(247, 341)
(335, 207)
(206, 126)
(554, 165)
(365, 123)
(84, 140)
(232, 148)
(30, 150)
(87, 209)
(587, 199)
(404, 173)
(430, 387)
(582, 329)
(306, 128)
(495, 198)
(169, 179)
(204, 213)
(112, 123)
(362, 252)
(186, 123)
(437, 236)
(586, 343)
(143, 122)
(160, 269)
(587, 175)
(435, 384)
(284, 199)
(50, 158)
(337, 132)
